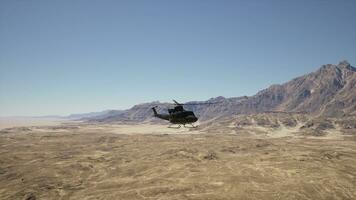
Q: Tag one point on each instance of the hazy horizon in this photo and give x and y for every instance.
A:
(64, 57)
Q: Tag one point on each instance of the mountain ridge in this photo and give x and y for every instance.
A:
(329, 91)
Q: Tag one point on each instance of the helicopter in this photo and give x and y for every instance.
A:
(178, 115)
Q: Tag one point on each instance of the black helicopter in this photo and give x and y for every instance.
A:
(178, 115)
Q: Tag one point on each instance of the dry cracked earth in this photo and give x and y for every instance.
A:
(113, 162)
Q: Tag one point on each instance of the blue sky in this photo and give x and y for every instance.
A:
(62, 57)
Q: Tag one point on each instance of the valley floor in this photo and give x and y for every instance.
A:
(78, 161)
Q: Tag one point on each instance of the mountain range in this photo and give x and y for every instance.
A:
(329, 91)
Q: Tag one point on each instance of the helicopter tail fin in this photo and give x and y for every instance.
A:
(161, 116)
(154, 111)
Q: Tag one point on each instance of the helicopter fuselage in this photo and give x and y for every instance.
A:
(183, 117)
(177, 117)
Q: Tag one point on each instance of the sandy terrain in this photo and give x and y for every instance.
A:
(8, 122)
(86, 161)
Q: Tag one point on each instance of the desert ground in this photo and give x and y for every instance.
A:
(126, 161)
(9, 122)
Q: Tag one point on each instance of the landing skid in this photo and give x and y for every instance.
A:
(191, 126)
(177, 127)
(172, 126)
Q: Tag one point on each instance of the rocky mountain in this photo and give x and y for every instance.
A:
(87, 115)
(137, 113)
(96, 115)
(329, 91)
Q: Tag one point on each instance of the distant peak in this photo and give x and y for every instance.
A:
(344, 62)
(328, 66)
(346, 65)
(219, 98)
(343, 65)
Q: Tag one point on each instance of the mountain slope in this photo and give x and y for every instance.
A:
(89, 115)
(329, 91)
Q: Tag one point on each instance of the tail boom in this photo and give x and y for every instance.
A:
(161, 116)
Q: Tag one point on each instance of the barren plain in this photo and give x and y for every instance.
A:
(123, 161)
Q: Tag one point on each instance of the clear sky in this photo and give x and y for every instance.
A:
(62, 57)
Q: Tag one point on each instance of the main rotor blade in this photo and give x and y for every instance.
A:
(208, 103)
(177, 102)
